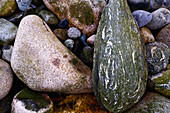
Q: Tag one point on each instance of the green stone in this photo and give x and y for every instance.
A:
(7, 7)
(48, 17)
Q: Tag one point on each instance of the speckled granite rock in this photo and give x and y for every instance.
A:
(160, 18)
(6, 78)
(7, 7)
(83, 14)
(43, 63)
(151, 103)
(28, 101)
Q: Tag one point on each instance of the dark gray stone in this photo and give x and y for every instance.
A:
(7, 32)
(155, 4)
(142, 17)
(139, 4)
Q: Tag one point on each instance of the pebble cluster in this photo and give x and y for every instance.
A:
(32, 54)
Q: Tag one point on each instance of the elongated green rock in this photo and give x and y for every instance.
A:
(119, 67)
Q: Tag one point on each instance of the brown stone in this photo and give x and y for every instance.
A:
(146, 35)
(164, 35)
(61, 34)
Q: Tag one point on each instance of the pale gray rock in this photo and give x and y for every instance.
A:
(43, 63)
(6, 52)
(6, 78)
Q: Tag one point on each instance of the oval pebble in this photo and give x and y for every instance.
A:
(142, 17)
(73, 33)
(157, 56)
(69, 43)
(7, 32)
(146, 35)
(160, 18)
(64, 24)
(61, 34)
(90, 40)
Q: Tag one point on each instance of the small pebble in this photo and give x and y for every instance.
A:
(7, 32)
(160, 18)
(87, 55)
(142, 17)
(78, 47)
(6, 78)
(23, 4)
(73, 33)
(83, 39)
(7, 51)
(90, 40)
(146, 35)
(157, 56)
(48, 17)
(64, 24)
(164, 35)
(61, 34)
(69, 43)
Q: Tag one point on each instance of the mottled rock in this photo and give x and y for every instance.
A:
(48, 17)
(142, 17)
(83, 39)
(83, 14)
(7, 32)
(69, 43)
(82, 103)
(23, 4)
(161, 82)
(73, 33)
(7, 7)
(64, 24)
(160, 18)
(90, 40)
(151, 103)
(43, 63)
(164, 35)
(28, 101)
(6, 78)
(61, 34)
(7, 51)
(146, 35)
(157, 56)
(166, 4)
(15, 17)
